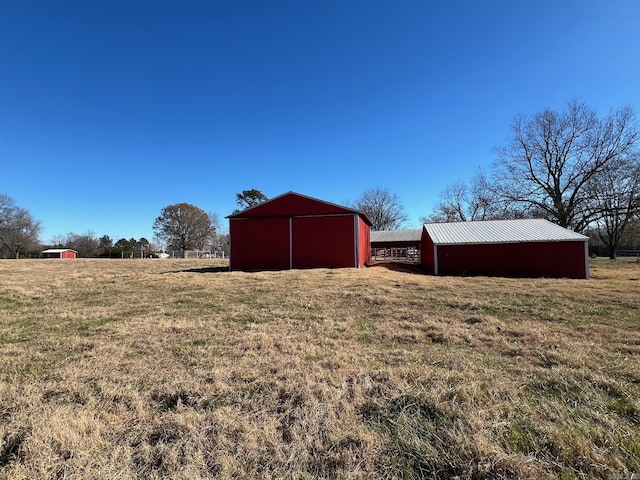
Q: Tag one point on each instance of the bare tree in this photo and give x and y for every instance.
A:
(57, 241)
(216, 223)
(216, 227)
(86, 245)
(550, 158)
(18, 230)
(383, 208)
(477, 200)
(454, 205)
(615, 200)
(184, 227)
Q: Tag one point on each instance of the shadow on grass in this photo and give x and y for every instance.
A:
(201, 270)
(397, 266)
(401, 267)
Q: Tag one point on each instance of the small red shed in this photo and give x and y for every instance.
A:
(59, 253)
(512, 248)
(296, 231)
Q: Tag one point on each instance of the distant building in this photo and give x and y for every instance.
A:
(59, 253)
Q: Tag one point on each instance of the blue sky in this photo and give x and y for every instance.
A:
(110, 111)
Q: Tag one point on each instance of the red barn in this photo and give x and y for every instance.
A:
(59, 253)
(513, 248)
(296, 231)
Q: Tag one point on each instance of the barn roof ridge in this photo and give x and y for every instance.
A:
(259, 204)
(486, 220)
(291, 192)
(499, 231)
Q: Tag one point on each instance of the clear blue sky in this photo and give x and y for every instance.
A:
(111, 110)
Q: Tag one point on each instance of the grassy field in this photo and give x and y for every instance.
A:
(170, 368)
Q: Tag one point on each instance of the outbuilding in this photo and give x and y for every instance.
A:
(297, 231)
(59, 253)
(395, 245)
(396, 238)
(514, 248)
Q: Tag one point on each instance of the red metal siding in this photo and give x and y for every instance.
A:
(323, 242)
(294, 231)
(259, 244)
(365, 243)
(67, 254)
(426, 252)
(531, 259)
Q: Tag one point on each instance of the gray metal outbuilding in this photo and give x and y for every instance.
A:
(396, 245)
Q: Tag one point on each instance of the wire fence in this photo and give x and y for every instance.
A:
(197, 254)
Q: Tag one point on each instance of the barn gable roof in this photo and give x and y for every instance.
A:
(499, 231)
(411, 235)
(293, 204)
(58, 250)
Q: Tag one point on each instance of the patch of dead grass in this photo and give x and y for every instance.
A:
(159, 369)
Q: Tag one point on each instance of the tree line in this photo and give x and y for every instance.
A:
(572, 167)
(20, 232)
(179, 227)
(89, 245)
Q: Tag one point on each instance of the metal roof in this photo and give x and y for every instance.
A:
(499, 231)
(396, 236)
(58, 250)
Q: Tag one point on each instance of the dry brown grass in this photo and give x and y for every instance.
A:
(150, 369)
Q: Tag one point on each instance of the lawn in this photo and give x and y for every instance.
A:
(181, 369)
